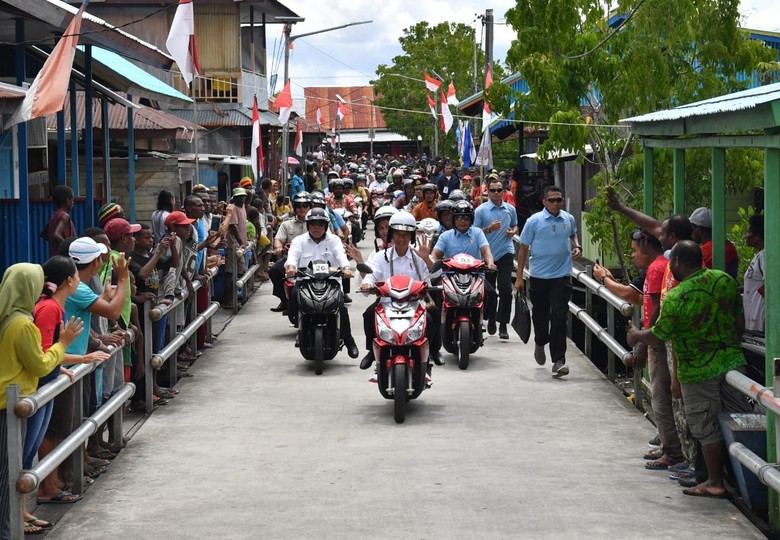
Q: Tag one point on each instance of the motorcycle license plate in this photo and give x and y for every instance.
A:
(320, 268)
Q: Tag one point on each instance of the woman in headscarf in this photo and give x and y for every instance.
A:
(23, 360)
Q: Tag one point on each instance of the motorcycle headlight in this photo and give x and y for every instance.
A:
(384, 332)
(415, 332)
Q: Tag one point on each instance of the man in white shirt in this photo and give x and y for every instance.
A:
(400, 259)
(319, 244)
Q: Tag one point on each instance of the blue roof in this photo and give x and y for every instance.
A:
(127, 77)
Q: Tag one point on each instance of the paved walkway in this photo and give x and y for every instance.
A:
(257, 446)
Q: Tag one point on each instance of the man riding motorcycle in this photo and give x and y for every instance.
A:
(288, 230)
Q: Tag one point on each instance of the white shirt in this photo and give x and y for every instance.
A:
(376, 185)
(752, 300)
(408, 265)
(303, 250)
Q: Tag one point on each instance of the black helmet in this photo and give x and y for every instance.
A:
(318, 199)
(428, 187)
(302, 197)
(457, 195)
(462, 208)
(335, 182)
(408, 182)
(317, 214)
(443, 206)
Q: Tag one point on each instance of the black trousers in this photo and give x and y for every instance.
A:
(550, 299)
(276, 273)
(503, 276)
(432, 326)
(345, 327)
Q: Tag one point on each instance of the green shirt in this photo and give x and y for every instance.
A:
(699, 317)
(106, 273)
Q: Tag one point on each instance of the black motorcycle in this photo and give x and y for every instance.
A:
(319, 300)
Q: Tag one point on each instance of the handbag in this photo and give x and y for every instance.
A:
(522, 319)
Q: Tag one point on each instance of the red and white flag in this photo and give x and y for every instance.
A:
(486, 112)
(341, 112)
(285, 103)
(257, 144)
(319, 114)
(432, 84)
(47, 93)
(446, 115)
(299, 138)
(181, 41)
(432, 105)
(451, 99)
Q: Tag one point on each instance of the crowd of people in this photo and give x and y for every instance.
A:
(92, 290)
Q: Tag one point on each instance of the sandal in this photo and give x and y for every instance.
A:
(40, 523)
(96, 462)
(103, 454)
(29, 528)
(164, 394)
(63, 497)
(654, 455)
(658, 465)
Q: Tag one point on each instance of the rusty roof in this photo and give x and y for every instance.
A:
(145, 119)
(226, 114)
(358, 102)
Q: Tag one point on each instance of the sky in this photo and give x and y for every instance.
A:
(350, 56)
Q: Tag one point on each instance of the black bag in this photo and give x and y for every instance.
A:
(522, 319)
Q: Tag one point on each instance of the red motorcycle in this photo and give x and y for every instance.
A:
(400, 345)
(463, 283)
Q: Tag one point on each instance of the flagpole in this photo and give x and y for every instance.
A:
(436, 127)
(195, 139)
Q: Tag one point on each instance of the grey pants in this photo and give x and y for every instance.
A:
(661, 400)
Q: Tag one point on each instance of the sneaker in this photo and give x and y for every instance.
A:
(375, 377)
(347, 299)
(502, 331)
(428, 378)
(539, 355)
(491, 327)
(560, 368)
(655, 442)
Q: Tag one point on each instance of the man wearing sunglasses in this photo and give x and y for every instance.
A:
(498, 220)
(551, 237)
(288, 231)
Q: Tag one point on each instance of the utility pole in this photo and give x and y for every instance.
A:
(488, 39)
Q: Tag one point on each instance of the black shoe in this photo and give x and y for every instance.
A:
(436, 357)
(297, 340)
(281, 307)
(491, 327)
(347, 299)
(367, 360)
(284, 313)
(352, 349)
(502, 332)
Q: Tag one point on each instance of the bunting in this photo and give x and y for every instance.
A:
(181, 41)
(446, 115)
(432, 84)
(257, 144)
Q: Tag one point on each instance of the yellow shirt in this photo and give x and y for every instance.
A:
(23, 361)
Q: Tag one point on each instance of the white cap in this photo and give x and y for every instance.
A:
(85, 250)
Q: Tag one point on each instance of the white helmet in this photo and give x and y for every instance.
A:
(403, 221)
(385, 212)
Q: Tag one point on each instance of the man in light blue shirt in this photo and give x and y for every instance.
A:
(551, 236)
(463, 237)
(498, 220)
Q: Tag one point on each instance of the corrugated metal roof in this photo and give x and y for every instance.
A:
(123, 75)
(144, 118)
(362, 137)
(738, 101)
(226, 114)
(358, 101)
(11, 91)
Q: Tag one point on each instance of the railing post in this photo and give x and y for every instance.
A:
(170, 333)
(610, 354)
(193, 314)
(210, 286)
(77, 458)
(589, 310)
(148, 351)
(15, 445)
(234, 256)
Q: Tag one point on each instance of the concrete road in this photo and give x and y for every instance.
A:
(257, 446)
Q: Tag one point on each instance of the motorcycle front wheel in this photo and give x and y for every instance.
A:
(399, 389)
(464, 344)
(318, 349)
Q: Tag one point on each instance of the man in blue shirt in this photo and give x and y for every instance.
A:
(447, 181)
(463, 237)
(551, 236)
(297, 183)
(498, 220)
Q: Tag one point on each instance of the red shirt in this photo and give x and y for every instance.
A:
(654, 279)
(732, 257)
(48, 315)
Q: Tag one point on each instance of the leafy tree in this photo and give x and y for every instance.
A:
(584, 72)
(446, 49)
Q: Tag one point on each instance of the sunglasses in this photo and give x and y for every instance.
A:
(463, 217)
(499, 190)
(555, 200)
(302, 205)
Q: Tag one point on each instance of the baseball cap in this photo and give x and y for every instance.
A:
(239, 192)
(246, 182)
(177, 218)
(84, 250)
(702, 217)
(118, 227)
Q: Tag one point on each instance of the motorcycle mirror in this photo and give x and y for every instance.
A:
(437, 265)
(364, 268)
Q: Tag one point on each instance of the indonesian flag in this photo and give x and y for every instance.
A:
(299, 139)
(451, 99)
(319, 114)
(341, 111)
(257, 144)
(47, 93)
(432, 105)
(431, 84)
(181, 41)
(486, 112)
(284, 101)
(446, 115)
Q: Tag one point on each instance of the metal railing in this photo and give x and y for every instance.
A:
(20, 407)
(245, 282)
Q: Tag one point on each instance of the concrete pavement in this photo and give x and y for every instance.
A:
(257, 446)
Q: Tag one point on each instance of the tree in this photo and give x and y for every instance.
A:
(446, 49)
(589, 66)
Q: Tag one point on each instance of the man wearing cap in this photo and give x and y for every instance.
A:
(233, 232)
(180, 227)
(120, 233)
(108, 212)
(248, 186)
(701, 219)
